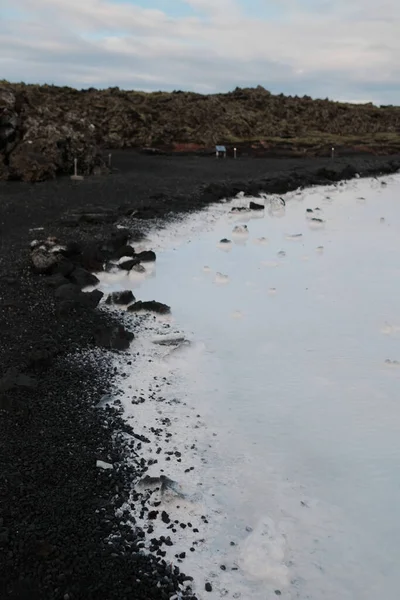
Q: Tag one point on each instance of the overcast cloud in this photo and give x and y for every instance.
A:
(342, 49)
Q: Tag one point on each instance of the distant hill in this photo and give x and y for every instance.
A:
(252, 119)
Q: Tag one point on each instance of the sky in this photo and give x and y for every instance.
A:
(341, 49)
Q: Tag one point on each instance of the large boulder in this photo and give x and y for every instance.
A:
(113, 338)
(47, 151)
(43, 261)
(125, 297)
(33, 161)
(83, 278)
(39, 140)
(150, 306)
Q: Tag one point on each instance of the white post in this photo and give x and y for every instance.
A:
(216, 154)
(75, 176)
(234, 153)
(333, 153)
(109, 161)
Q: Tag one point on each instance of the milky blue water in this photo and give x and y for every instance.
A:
(297, 385)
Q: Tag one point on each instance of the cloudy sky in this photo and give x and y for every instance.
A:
(341, 49)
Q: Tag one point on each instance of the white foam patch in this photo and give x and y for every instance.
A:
(294, 236)
(276, 209)
(271, 264)
(257, 214)
(240, 231)
(237, 314)
(392, 363)
(261, 241)
(316, 224)
(221, 279)
(225, 246)
(243, 216)
(389, 329)
(262, 555)
(119, 280)
(184, 352)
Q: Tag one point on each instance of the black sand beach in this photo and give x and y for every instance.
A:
(57, 509)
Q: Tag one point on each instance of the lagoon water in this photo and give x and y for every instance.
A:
(296, 380)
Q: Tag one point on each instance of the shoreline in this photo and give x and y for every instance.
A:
(53, 540)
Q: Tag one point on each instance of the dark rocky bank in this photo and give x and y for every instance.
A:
(57, 509)
(44, 128)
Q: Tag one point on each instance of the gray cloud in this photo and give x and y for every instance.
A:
(316, 48)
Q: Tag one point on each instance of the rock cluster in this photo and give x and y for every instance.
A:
(39, 142)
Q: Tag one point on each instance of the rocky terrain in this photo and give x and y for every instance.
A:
(61, 537)
(43, 128)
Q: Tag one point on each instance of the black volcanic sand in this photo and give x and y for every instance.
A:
(57, 509)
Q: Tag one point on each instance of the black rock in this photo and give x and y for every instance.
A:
(328, 174)
(91, 299)
(255, 206)
(146, 256)
(125, 251)
(348, 172)
(208, 587)
(56, 280)
(238, 209)
(115, 338)
(72, 294)
(65, 307)
(68, 291)
(63, 266)
(125, 297)
(150, 305)
(83, 278)
(119, 239)
(92, 257)
(13, 378)
(127, 265)
(71, 249)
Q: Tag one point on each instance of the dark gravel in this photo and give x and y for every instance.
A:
(57, 509)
